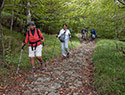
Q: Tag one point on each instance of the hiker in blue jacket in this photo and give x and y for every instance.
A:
(93, 33)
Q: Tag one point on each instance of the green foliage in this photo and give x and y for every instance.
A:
(5, 14)
(106, 16)
(110, 64)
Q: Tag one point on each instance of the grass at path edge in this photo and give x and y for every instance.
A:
(110, 68)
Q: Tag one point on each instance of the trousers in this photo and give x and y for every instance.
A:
(64, 46)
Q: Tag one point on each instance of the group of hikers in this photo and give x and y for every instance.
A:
(35, 39)
(85, 34)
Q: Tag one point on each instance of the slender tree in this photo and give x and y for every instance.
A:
(11, 25)
(1, 32)
(28, 12)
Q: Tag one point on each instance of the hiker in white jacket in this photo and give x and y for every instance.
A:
(64, 44)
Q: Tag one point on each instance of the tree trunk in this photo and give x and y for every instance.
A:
(11, 26)
(1, 32)
(3, 47)
(28, 12)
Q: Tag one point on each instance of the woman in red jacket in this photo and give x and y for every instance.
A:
(35, 39)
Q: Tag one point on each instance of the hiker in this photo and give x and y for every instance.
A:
(93, 34)
(86, 33)
(35, 39)
(64, 37)
(83, 33)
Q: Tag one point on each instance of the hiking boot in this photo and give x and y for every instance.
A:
(43, 66)
(68, 55)
(64, 57)
(33, 69)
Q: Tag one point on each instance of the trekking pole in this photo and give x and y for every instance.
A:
(71, 43)
(20, 60)
(54, 47)
(44, 50)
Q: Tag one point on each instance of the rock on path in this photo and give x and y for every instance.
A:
(71, 76)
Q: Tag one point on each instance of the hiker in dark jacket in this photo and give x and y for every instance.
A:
(35, 39)
(83, 33)
(86, 34)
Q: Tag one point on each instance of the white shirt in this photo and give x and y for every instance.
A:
(67, 34)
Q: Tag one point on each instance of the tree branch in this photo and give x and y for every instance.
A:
(121, 2)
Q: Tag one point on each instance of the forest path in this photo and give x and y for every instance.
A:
(71, 76)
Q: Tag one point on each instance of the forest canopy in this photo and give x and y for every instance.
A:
(107, 16)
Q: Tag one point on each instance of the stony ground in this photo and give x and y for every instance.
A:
(73, 76)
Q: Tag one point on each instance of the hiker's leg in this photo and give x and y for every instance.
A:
(32, 61)
(63, 49)
(66, 45)
(39, 58)
(38, 51)
(41, 62)
(39, 54)
(33, 64)
(82, 36)
(31, 55)
(91, 37)
(87, 35)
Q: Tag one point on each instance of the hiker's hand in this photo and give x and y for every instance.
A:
(69, 36)
(42, 40)
(56, 35)
(23, 44)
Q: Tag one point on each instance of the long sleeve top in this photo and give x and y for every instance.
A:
(67, 33)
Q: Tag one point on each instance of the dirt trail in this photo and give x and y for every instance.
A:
(71, 76)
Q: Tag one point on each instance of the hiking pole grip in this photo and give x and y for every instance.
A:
(23, 46)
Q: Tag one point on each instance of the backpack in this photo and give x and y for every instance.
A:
(34, 42)
(62, 37)
(37, 33)
(93, 36)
